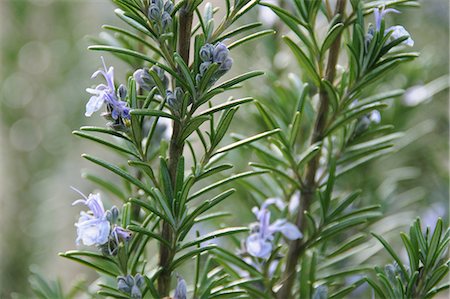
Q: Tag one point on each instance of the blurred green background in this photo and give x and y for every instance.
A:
(45, 69)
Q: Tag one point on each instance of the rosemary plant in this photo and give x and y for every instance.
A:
(168, 119)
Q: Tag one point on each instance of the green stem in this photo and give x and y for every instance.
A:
(297, 247)
(175, 152)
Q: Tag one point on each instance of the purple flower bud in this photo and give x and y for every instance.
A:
(206, 53)
(181, 289)
(159, 4)
(136, 292)
(123, 285)
(204, 67)
(220, 53)
(226, 65)
(122, 92)
(131, 285)
(154, 13)
(175, 99)
(112, 215)
(139, 280)
(168, 7)
(121, 233)
(166, 21)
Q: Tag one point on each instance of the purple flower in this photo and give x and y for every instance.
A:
(396, 31)
(259, 243)
(107, 94)
(92, 227)
(119, 233)
(379, 15)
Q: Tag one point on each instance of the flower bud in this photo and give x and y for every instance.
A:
(206, 53)
(226, 65)
(112, 215)
(136, 292)
(122, 284)
(181, 289)
(168, 7)
(131, 285)
(122, 92)
(204, 67)
(220, 52)
(166, 21)
(154, 13)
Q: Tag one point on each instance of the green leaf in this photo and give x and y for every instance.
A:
(149, 112)
(333, 96)
(193, 125)
(237, 31)
(354, 114)
(309, 154)
(278, 172)
(412, 252)
(205, 206)
(186, 73)
(251, 37)
(228, 257)
(304, 61)
(344, 204)
(434, 243)
(393, 254)
(224, 106)
(225, 181)
(180, 260)
(146, 232)
(149, 207)
(105, 184)
(106, 267)
(213, 235)
(145, 167)
(106, 131)
(211, 216)
(106, 143)
(222, 127)
(213, 170)
(245, 141)
(133, 36)
(118, 171)
(332, 34)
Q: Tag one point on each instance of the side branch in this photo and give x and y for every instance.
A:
(297, 247)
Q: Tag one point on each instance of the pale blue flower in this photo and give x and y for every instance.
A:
(380, 13)
(92, 227)
(102, 94)
(259, 243)
(396, 31)
(399, 32)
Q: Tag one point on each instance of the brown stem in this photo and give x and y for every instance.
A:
(297, 247)
(175, 152)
